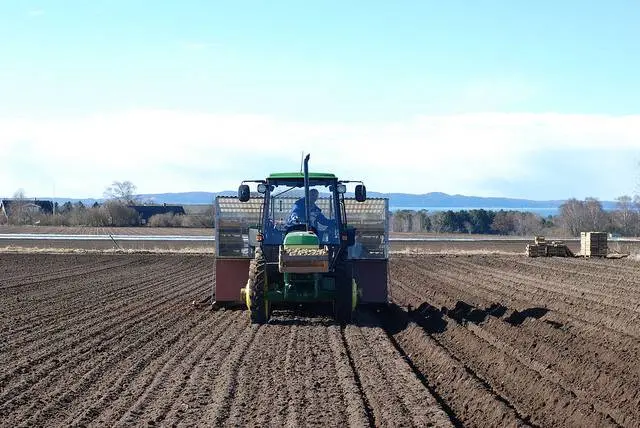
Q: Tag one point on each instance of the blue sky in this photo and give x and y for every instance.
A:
(490, 98)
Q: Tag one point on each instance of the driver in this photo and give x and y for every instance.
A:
(297, 214)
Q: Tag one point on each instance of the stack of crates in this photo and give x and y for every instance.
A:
(593, 244)
(558, 249)
(538, 248)
(540, 240)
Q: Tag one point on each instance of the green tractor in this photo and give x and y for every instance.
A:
(296, 260)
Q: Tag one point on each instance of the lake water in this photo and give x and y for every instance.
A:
(543, 211)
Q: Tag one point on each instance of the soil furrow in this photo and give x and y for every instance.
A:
(543, 401)
(472, 401)
(112, 340)
(90, 366)
(356, 404)
(516, 293)
(396, 395)
(266, 401)
(193, 393)
(436, 286)
(215, 411)
(584, 294)
(137, 294)
(80, 312)
(52, 359)
(87, 344)
(152, 393)
(66, 276)
(576, 375)
(580, 271)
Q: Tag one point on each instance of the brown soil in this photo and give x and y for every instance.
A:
(555, 339)
(86, 230)
(109, 340)
(402, 242)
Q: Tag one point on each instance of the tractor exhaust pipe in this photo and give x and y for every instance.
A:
(307, 208)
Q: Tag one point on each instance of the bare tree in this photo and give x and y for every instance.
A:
(18, 210)
(19, 195)
(573, 216)
(517, 223)
(401, 221)
(119, 214)
(441, 222)
(581, 216)
(503, 223)
(596, 217)
(625, 217)
(425, 221)
(122, 191)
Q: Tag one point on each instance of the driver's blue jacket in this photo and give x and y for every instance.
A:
(297, 215)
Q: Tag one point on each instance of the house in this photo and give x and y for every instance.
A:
(147, 211)
(32, 206)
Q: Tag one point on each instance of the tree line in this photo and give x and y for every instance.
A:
(476, 221)
(115, 211)
(574, 216)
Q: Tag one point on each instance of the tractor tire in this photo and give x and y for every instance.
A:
(259, 308)
(344, 303)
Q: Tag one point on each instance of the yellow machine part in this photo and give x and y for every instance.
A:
(354, 295)
(244, 295)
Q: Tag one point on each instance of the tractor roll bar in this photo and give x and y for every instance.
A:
(307, 208)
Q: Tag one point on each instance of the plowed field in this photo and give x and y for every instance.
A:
(108, 340)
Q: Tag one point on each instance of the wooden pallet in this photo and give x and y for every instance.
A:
(593, 244)
(553, 249)
(536, 250)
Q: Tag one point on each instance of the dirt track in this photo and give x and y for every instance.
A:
(400, 242)
(490, 341)
(87, 230)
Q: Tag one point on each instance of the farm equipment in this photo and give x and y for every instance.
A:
(542, 248)
(265, 261)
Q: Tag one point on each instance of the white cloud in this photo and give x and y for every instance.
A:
(163, 151)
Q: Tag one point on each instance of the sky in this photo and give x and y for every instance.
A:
(536, 100)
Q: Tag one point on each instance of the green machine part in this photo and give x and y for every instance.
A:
(301, 239)
(304, 286)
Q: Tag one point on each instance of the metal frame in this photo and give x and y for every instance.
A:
(369, 213)
(234, 241)
(233, 253)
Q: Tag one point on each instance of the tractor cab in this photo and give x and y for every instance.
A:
(284, 210)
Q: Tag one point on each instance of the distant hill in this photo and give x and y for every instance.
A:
(439, 199)
(183, 198)
(186, 198)
(444, 200)
(396, 200)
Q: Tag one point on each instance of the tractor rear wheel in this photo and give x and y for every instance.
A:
(344, 301)
(259, 307)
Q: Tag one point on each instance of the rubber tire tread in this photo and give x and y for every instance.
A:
(342, 305)
(256, 285)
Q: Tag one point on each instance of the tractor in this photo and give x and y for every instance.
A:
(309, 256)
